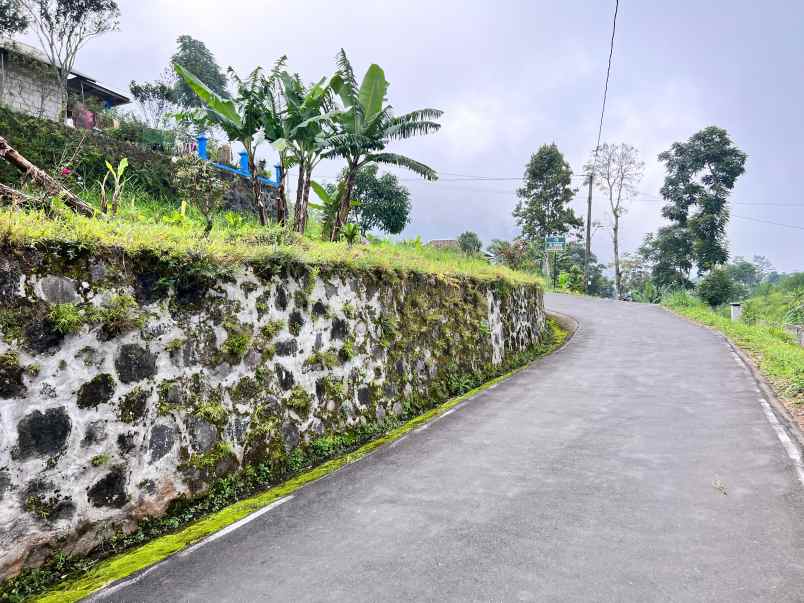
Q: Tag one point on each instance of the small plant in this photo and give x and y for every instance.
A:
(234, 221)
(174, 345)
(238, 341)
(348, 310)
(351, 233)
(100, 459)
(119, 184)
(119, 315)
(271, 328)
(66, 318)
(178, 216)
(199, 182)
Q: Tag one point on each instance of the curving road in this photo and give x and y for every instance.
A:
(637, 464)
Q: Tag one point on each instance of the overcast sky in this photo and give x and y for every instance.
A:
(513, 75)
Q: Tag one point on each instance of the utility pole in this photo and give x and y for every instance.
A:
(588, 232)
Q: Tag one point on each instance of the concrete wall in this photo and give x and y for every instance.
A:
(178, 373)
(28, 86)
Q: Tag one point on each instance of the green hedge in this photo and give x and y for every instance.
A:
(44, 143)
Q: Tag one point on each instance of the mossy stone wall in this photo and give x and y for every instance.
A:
(128, 381)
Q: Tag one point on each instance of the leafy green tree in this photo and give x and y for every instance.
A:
(63, 27)
(246, 118)
(196, 58)
(700, 176)
(470, 243)
(365, 126)
(12, 18)
(671, 250)
(543, 200)
(573, 256)
(717, 287)
(383, 203)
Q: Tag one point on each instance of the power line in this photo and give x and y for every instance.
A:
(769, 222)
(588, 246)
(608, 74)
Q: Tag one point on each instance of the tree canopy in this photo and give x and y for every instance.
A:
(196, 58)
(701, 173)
(384, 204)
(543, 200)
(12, 18)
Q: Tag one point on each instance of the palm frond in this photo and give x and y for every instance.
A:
(344, 82)
(414, 166)
(419, 115)
(404, 130)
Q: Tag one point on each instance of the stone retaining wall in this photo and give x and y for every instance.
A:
(128, 381)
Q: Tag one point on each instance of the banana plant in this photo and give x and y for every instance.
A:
(305, 122)
(243, 118)
(365, 126)
(329, 207)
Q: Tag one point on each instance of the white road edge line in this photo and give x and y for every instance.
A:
(791, 449)
(231, 528)
(227, 530)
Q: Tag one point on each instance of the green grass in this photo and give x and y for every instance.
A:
(94, 575)
(779, 358)
(145, 223)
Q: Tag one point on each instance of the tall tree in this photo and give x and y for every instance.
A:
(384, 204)
(65, 26)
(542, 208)
(13, 18)
(617, 172)
(701, 173)
(196, 58)
(366, 126)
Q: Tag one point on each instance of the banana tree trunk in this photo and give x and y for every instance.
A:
(306, 198)
(300, 211)
(281, 204)
(257, 189)
(345, 205)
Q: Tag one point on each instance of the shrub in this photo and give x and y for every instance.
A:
(717, 288)
(66, 318)
(469, 243)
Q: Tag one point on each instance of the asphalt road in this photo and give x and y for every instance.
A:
(637, 464)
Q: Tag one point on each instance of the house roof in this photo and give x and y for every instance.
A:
(89, 83)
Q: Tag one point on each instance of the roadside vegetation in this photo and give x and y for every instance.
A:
(760, 331)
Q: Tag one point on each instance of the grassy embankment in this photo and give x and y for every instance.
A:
(772, 349)
(144, 223)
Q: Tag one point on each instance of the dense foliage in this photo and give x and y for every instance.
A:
(198, 59)
(544, 198)
(383, 203)
(54, 147)
(701, 173)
